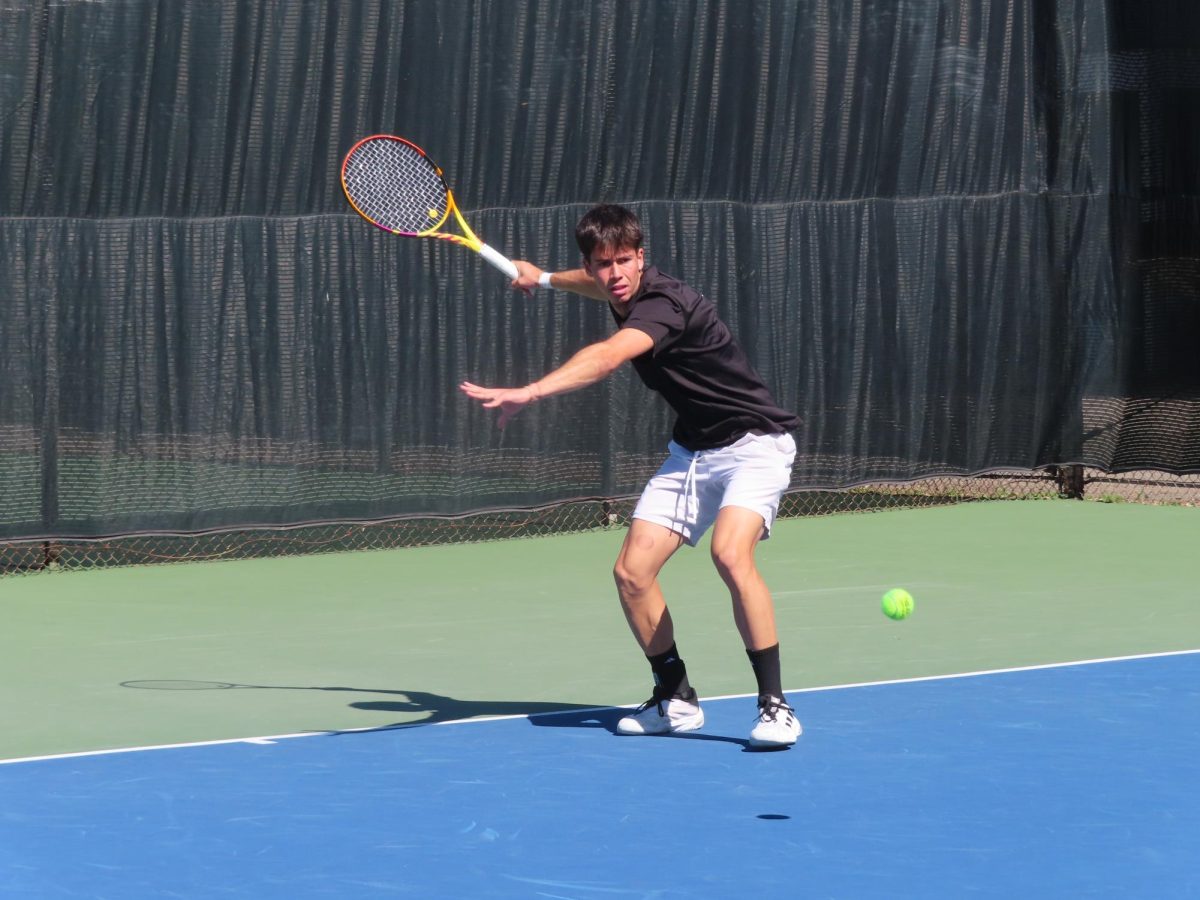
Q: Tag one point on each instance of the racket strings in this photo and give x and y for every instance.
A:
(395, 186)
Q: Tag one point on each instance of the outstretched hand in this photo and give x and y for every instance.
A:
(510, 401)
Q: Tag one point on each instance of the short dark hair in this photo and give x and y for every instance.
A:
(608, 225)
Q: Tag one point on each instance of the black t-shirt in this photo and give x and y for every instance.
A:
(698, 367)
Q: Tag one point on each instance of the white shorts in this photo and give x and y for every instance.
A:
(689, 489)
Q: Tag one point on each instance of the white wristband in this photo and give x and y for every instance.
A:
(544, 280)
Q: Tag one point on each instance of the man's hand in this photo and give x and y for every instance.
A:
(527, 276)
(510, 400)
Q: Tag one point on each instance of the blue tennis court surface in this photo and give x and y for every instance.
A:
(1081, 780)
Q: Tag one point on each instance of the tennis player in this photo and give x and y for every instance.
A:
(730, 461)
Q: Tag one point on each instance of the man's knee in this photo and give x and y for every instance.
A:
(733, 560)
(631, 581)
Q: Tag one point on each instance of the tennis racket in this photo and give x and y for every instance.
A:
(392, 184)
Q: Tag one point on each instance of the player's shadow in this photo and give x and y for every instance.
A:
(539, 715)
(429, 709)
(425, 708)
(418, 707)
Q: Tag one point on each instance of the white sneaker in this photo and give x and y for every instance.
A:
(664, 715)
(776, 726)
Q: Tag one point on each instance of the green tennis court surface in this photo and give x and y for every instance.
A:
(367, 640)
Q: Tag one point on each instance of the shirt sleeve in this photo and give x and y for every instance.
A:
(659, 316)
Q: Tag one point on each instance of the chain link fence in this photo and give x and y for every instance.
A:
(1073, 482)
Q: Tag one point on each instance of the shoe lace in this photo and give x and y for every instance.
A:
(769, 708)
(658, 698)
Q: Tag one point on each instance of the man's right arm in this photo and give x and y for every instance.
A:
(577, 281)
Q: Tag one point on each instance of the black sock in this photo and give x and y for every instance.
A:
(670, 674)
(766, 670)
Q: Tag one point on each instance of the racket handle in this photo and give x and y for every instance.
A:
(499, 260)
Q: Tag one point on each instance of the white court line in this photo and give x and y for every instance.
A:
(271, 739)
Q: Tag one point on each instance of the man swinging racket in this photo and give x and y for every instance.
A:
(730, 461)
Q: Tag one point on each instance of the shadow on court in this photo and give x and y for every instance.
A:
(426, 708)
(439, 708)
(423, 707)
(607, 719)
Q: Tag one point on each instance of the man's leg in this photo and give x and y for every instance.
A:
(673, 705)
(646, 550)
(736, 534)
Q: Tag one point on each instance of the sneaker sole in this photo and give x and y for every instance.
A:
(693, 724)
(770, 745)
(764, 744)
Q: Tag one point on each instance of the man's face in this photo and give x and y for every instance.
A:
(617, 270)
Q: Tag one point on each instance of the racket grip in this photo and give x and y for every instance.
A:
(499, 260)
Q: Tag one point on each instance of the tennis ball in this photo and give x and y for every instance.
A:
(897, 604)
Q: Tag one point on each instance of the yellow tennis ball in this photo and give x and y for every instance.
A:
(897, 604)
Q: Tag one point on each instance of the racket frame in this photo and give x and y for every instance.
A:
(467, 239)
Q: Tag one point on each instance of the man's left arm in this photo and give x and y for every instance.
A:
(593, 363)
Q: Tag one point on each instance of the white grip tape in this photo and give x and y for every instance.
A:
(499, 260)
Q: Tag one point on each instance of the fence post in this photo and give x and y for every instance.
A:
(1070, 481)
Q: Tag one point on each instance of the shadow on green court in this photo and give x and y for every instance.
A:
(430, 708)
(438, 708)
(425, 708)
